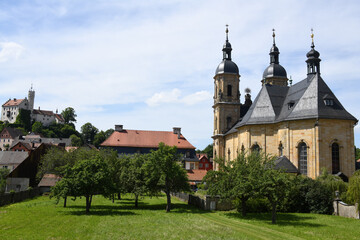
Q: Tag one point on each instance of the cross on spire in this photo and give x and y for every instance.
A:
(227, 32)
(273, 35)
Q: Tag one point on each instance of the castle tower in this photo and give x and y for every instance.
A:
(31, 97)
(275, 74)
(226, 97)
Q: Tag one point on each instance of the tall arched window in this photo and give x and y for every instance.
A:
(229, 154)
(255, 148)
(229, 90)
(228, 122)
(335, 158)
(302, 148)
(281, 149)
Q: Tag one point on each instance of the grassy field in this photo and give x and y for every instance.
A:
(40, 218)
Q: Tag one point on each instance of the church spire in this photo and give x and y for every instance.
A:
(274, 51)
(313, 60)
(227, 46)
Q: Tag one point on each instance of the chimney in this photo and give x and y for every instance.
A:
(177, 130)
(119, 128)
(39, 107)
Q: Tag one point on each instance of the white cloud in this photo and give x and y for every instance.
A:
(10, 51)
(174, 96)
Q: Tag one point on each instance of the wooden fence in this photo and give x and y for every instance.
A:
(8, 198)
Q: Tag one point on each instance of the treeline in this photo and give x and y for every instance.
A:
(253, 184)
(85, 173)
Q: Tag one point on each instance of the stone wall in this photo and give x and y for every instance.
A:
(206, 203)
(345, 210)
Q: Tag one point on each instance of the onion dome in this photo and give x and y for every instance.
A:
(274, 70)
(227, 66)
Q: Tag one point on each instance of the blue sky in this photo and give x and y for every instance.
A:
(150, 64)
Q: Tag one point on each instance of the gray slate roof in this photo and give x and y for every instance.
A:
(12, 157)
(307, 96)
(284, 163)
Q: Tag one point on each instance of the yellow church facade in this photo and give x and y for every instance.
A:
(304, 123)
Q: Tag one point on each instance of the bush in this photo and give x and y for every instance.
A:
(254, 205)
(307, 195)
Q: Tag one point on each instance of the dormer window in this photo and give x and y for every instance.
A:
(290, 104)
(329, 102)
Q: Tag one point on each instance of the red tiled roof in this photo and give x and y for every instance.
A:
(43, 112)
(59, 117)
(196, 174)
(148, 139)
(49, 180)
(13, 102)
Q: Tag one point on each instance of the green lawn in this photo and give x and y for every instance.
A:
(40, 218)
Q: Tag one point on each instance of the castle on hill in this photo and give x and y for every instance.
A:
(12, 107)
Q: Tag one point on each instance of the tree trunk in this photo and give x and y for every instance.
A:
(91, 199)
(119, 196)
(113, 197)
(88, 203)
(65, 198)
(243, 207)
(136, 200)
(168, 201)
(273, 213)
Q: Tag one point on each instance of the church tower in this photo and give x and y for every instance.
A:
(226, 96)
(275, 74)
(313, 61)
(31, 97)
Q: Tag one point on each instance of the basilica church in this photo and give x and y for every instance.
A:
(303, 124)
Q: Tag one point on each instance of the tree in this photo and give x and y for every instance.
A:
(69, 115)
(238, 180)
(88, 132)
(353, 192)
(99, 138)
(37, 127)
(164, 173)
(3, 174)
(24, 119)
(89, 176)
(75, 141)
(274, 186)
(132, 176)
(67, 130)
(208, 151)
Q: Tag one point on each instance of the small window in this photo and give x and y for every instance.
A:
(329, 102)
(229, 90)
(200, 165)
(192, 165)
(255, 148)
(206, 165)
(228, 122)
(290, 105)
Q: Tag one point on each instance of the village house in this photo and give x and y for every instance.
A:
(126, 141)
(7, 137)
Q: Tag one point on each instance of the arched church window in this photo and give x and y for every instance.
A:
(229, 90)
(229, 154)
(215, 127)
(335, 157)
(302, 148)
(228, 122)
(255, 148)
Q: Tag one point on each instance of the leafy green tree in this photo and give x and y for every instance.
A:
(69, 115)
(3, 174)
(99, 138)
(88, 132)
(90, 175)
(353, 192)
(67, 130)
(334, 183)
(133, 175)
(164, 173)
(75, 141)
(24, 119)
(275, 187)
(37, 127)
